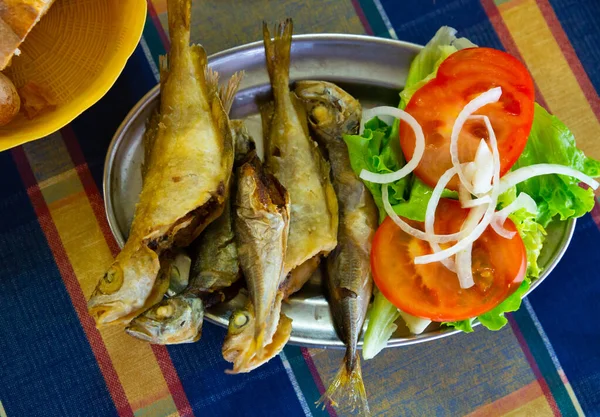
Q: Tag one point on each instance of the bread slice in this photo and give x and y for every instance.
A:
(17, 18)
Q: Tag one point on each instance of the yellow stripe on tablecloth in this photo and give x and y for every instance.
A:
(512, 402)
(89, 255)
(552, 72)
(538, 407)
(2, 412)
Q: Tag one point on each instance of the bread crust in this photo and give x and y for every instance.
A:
(17, 18)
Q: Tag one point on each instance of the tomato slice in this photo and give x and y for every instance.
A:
(460, 78)
(431, 290)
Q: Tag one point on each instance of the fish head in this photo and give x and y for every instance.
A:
(240, 346)
(331, 111)
(125, 286)
(172, 321)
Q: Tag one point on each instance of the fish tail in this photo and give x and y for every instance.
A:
(277, 52)
(347, 388)
(179, 15)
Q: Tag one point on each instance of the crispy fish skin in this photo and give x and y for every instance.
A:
(294, 158)
(332, 113)
(185, 180)
(261, 223)
(215, 269)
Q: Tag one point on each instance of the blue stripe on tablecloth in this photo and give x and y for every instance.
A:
(581, 22)
(417, 21)
(266, 391)
(567, 307)
(305, 380)
(96, 126)
(46, 364)
(542, 357)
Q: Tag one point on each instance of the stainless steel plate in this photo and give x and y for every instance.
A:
(373, 70)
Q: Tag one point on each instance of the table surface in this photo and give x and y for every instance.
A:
(55, 243)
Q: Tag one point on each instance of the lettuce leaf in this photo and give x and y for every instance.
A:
(495, 319)
(381, 329)
(532, 233)
(376, 150)
(550, 141)
(443, 43)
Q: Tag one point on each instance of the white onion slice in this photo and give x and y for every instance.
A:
(490, 96)
(522, 201)
(430, 215)
(484, 161)
(417, 154)
(522, 174)
(486, 199)
(408, 228)
(464, 196)
(487, 217)
(464, 267)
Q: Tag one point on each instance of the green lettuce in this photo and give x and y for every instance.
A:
(380, 329)
(532, 233)
(443, 43)
(378, 150)
(557, 197)
(374, 152)
(550, 141)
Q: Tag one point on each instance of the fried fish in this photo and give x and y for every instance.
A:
(331, 113)
(294, 158)
(215, 270)
(185, 179)
(261, 223)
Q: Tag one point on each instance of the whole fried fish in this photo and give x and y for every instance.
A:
(215, 269)
(294, 158)
(185, 179)
(261, 223)
(331, 113)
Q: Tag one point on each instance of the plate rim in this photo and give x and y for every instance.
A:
(318, 37)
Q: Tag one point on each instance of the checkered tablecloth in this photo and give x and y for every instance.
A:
(55, 242)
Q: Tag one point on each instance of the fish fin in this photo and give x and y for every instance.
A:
(347, 388)
(277, 52)
(212, 82)
(227, 93)
(221, 121)
(148, 140)
(208, 78)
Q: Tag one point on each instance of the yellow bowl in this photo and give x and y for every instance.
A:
(76, 52)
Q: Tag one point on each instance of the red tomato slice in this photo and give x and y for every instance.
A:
(461, 77)
(431, 290)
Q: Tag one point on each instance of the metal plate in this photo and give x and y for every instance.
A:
(373, 70)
